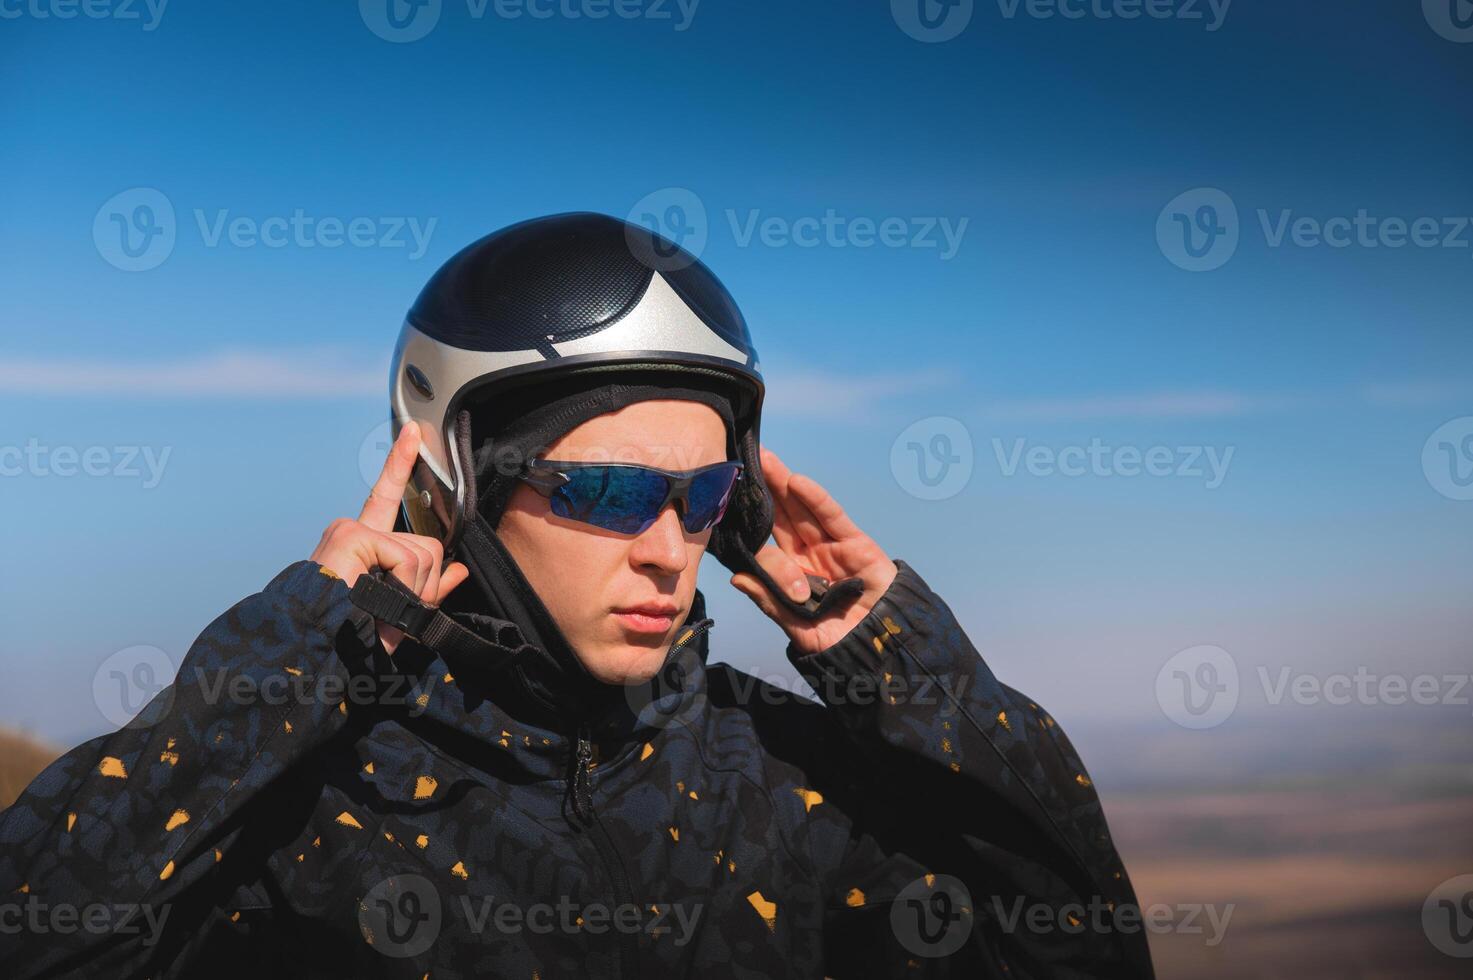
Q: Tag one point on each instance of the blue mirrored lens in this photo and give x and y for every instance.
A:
(709, 494)
(625, 499)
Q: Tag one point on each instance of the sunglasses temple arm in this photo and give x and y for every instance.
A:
(826, 596)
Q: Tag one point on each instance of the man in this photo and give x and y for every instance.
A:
(476, 734)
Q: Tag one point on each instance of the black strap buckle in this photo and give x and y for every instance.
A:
(395, 604)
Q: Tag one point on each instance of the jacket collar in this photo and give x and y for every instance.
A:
(488, 718)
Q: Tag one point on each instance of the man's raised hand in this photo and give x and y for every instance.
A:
(351, 547)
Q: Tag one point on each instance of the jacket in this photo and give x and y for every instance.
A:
(299, 803)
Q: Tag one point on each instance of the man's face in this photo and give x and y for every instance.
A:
(583, 573)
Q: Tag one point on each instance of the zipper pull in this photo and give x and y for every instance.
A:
(582, 788)
(692, 632)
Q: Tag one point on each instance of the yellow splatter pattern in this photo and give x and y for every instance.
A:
(766, 909)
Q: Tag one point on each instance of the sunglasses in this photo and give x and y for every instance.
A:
(627, 498)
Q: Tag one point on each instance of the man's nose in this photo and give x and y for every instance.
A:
(662, 545)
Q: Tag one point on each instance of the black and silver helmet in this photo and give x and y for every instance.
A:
(565, 295)
(549, 298)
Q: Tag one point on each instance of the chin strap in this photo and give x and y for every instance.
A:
(827, 597)
(390, 601)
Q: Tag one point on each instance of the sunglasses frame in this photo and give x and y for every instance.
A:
(547, 475)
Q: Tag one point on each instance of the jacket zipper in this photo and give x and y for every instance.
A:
(581, 791)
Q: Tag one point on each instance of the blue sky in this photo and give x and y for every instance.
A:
(1049, 146)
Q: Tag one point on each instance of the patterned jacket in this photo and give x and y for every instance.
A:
(298, 803)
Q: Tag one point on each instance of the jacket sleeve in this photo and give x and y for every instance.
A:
(965, 837)
(109, 857)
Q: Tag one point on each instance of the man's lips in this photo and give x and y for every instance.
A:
(647, 618)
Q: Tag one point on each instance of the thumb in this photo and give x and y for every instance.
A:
(451, 579)
(748, 584)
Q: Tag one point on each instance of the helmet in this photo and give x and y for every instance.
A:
(556, 297)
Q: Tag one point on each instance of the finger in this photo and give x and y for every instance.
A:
(785, 571)
(383, 502)
(452, 578)
(825, 510)
(776, 475)
(803, 524)
(425, 568)
(749, 586)
(433, 552)
(396, 558)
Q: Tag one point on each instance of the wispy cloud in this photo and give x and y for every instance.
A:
(832, 394)
(316, 372)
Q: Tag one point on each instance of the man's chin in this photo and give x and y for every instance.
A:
(629, 665)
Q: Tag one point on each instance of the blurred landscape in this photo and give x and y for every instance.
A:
(1316, 844)
(1325, 838)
